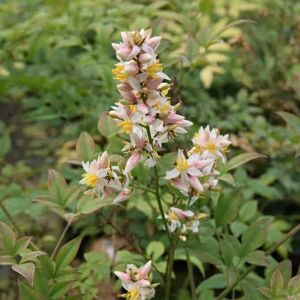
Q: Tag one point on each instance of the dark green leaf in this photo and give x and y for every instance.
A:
(67, 253)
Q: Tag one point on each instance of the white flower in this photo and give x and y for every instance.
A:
(210, 144)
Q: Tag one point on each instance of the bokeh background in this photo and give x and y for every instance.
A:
(234, 64)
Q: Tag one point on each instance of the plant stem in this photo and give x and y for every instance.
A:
(169, 272)
(171, 247)
(191, 274)
(253, 267)
(60, 240)
(11, 219)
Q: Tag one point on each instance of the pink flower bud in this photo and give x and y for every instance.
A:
(133, 160)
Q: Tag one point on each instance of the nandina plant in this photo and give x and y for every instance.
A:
(196, 212)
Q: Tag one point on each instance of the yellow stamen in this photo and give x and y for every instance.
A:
(164, 108)
(133, 108)
(118, 71)
(154, 68)
(133, 294)
(138, 39)
(182, 164)
(172, 216)
(211, 147)
(196, 149)
(126, 126)
(90, 179)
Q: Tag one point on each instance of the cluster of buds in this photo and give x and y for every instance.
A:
(183, 222)
(196, 171)
(105, 180)
(137, 282)
(145, 113)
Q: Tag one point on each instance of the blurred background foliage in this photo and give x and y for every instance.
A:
(234, 64)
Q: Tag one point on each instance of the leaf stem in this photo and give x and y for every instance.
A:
(292, 232)
(11, 219)
(57, 246)
(191, 275)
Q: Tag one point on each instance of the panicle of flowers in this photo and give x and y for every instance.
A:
(137, 282)
(145, 113)
(104, 179)
(197, 170)
(183, 222)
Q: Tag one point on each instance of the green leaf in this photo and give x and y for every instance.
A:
(266, 292)
(27, 293)
(106, 125)
(285, 268)
(7, 260)
(67, 253)
(230, 275)
(8, 237)
(48, 266)
(155, 250)
(214, 282)
(248, 211)
(294, 285)
(228, 178)
(227, 208)
(230, 247)
(85, 147)
(60, 289)
(292, 121)
(257, 258)
(57, 186)
(277, 282)
(89, 204)
(26, 270)
(22, 244)
(31, 255)
(207, 251)
(250, 291)
(240, 160)
(41, 281)
(255, 236)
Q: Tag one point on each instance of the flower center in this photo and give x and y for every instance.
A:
(118, 71)
(164, 108)
(133, 294)
(90, 179)
(182, 164)
(133, 108)
(138, 39)
(197, 149)
(211, 147)
(172, 216)
(154, 68)
(126, 126)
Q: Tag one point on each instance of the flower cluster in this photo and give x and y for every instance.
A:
(196, 171)
(103, 178)
(145, 113)
(137, 283)
(184, 222)
(148, 119)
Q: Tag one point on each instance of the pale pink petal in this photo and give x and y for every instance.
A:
(195, 183)
(103, 160)
(123, 276)
(145, 270)
(133, 160)
(172, 174)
